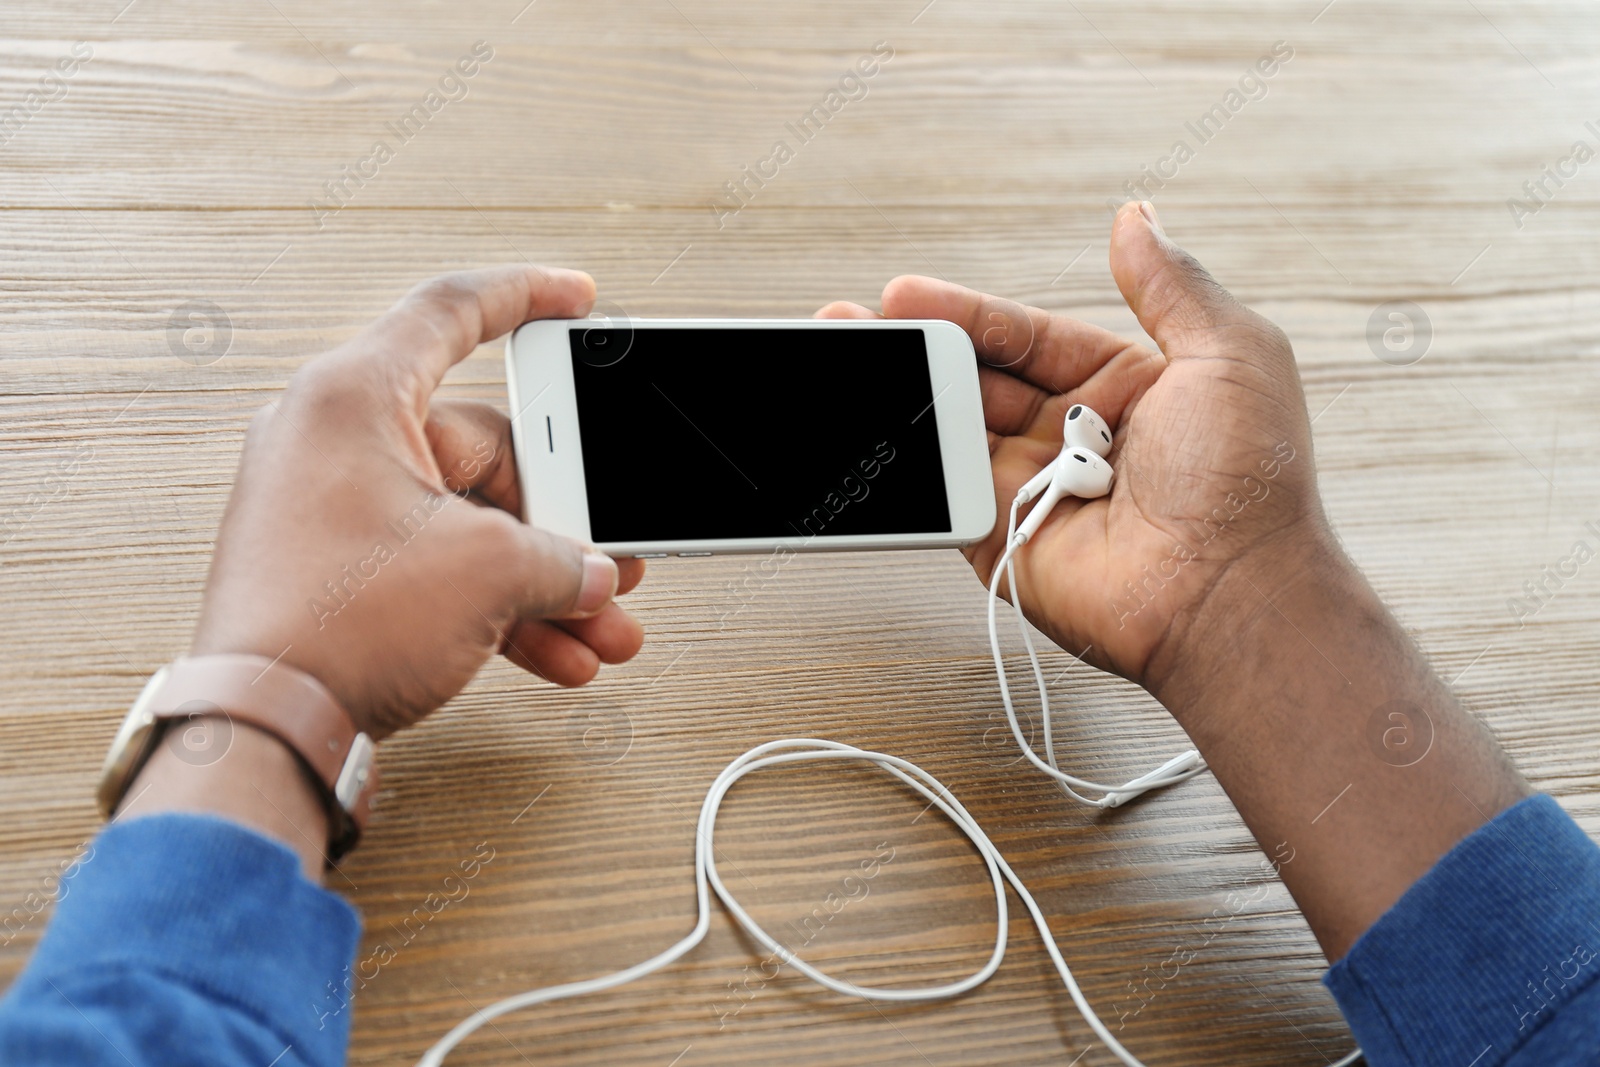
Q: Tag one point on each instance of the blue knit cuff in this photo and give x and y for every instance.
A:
(218, 908)
(1484, 950)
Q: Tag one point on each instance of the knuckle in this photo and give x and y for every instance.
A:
(1271, 336)
(1258, 336)
(323, 388)
(502, 538)
(1189, 278)
(545, 569)
(310, 381)
(441, 289)
(446, 303)
(1166, 297)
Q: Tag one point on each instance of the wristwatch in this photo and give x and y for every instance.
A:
(213, 692)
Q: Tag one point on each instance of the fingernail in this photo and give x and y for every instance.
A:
(1148, 210)
(599, 583)
(587, 306)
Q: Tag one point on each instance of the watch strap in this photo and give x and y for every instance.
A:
(286, 703)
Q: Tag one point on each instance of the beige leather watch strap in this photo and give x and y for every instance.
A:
(284, 702)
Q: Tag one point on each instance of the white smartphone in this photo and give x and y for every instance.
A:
(694, 437)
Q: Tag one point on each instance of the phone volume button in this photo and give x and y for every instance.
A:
(686, 555)
(649, 555)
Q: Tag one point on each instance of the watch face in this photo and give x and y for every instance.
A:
(355, 774)
(129, 749)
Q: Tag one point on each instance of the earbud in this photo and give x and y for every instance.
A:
(1080, 470)
(1085, 429)
(1076, 472)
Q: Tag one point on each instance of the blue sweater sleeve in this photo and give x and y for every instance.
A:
(1490, 959)
(182, 940)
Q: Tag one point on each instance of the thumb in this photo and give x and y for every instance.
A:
(1175, 299)
(554, 577)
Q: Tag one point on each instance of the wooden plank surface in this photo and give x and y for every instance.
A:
(179, 163)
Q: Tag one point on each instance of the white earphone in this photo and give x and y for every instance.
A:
(1083, 430)
(1076, 472)
(1081, 471)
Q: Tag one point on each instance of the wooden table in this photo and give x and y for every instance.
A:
(186, 158)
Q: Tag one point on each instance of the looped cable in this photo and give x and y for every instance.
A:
(708, 880)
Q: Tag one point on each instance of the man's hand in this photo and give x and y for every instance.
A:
(1212, 449)
(1191, 576)
(373, 540)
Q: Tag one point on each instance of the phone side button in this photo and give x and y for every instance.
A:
(649, 555)
(686, 555)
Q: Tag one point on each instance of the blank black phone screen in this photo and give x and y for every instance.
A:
(784, 433)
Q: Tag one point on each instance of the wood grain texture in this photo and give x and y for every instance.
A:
(180, 163)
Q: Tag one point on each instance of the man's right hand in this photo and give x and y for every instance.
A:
(373, 538)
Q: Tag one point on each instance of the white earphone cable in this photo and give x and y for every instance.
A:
(1181, 767)
(707, 879)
